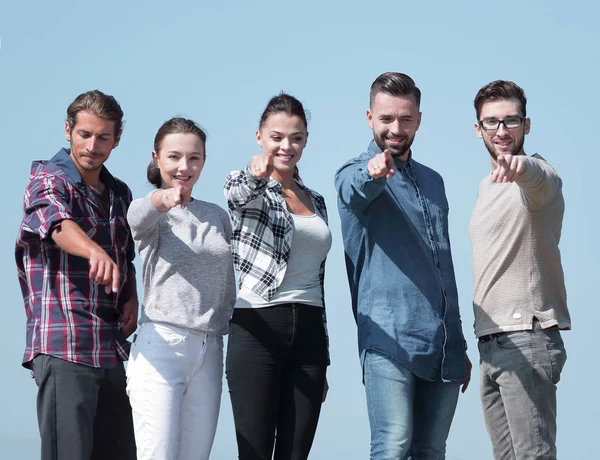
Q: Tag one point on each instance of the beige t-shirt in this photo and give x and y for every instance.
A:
(515, 230)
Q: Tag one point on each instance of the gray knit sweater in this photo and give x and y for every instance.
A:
(187, 267)
(515, 230)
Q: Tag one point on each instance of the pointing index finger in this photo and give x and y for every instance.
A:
(115, 279)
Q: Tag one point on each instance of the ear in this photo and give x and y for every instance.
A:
(117, 139)
(370, 118)
(155, 158)
(478, 130)
(418, 121)
(306, 139)
(527, 125)
(259, 138)
(67, 131)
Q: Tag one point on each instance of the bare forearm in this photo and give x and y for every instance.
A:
(71, 238)
(103, 270)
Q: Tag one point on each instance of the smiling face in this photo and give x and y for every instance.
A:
(92, 139)
(502, 141)
(284, 136)
(180, 160)
(394, 121)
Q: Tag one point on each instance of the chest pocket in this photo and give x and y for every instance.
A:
(439, 221)
(121, 233)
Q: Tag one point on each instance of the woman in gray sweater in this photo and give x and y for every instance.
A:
(175, 370)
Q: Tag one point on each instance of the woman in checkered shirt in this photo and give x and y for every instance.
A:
(277, 352)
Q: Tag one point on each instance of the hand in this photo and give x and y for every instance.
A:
(325, 390)
(465, 382)
(130, 315)
(103, 270)
(261, 165)
(508, 167)
(176, 195)
(381, 165)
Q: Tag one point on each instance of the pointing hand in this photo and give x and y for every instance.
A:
(508, 167)
(382, 165)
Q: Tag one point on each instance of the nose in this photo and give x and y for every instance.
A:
(395, 127)
(91, 145)
(183, 164)
(285, 144)
(502, 131)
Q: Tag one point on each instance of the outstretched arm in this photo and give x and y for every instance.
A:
(359, 181)
(244, 186)
(539, 182)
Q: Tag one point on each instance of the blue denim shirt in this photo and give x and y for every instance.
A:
(399, 266)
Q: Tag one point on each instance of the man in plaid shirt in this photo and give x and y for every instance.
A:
(74, 258)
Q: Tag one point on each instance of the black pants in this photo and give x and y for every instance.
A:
(276, 365)
(83, 412)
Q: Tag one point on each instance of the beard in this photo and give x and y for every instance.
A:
(517, 148)
(395, 151)
(85, 166)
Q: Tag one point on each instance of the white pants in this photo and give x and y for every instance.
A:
(174, 380)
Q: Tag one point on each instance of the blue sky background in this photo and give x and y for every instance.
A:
(220, 62)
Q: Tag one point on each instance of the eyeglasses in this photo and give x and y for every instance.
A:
(491, 124)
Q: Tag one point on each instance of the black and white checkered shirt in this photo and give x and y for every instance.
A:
(262, 232)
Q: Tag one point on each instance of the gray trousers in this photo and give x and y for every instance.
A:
(519, 373)
(83, 412)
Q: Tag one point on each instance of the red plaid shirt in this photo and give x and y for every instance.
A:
(68, 315)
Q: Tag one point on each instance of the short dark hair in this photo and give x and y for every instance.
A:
(176, 125)
(100, 104)
(284, 103)
(397, 85)
(498, 90)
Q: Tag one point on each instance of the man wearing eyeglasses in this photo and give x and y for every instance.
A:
(519, 300)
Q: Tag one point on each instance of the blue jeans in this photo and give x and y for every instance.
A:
(410, 417)
(519, 372)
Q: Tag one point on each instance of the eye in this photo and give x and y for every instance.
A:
(512, 122)
(172, 156)
(276, 138)
(490, 123)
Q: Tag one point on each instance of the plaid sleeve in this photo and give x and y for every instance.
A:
(241, 188)
(46, 204)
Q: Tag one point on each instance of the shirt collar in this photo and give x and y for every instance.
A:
(63, 161)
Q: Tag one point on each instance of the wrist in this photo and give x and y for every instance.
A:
(158, 200)
(94, 250)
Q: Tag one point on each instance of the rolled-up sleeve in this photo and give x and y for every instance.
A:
(46, 205)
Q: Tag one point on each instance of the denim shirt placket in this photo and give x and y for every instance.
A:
(410, 173)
